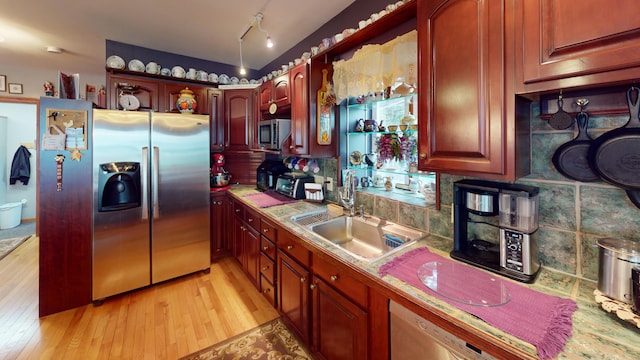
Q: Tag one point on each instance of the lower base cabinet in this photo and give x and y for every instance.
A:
(293, 295)
(340, 327)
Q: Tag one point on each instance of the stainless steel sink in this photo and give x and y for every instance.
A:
(367, 238)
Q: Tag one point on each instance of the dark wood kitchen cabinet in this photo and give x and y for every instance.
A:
(215, 104)
(239, 119)
(470, 121)
(246, 238)
(305, 81)
(576, 43)
(268, 236)
(339, 317)
(274, 95)
(220, 217)
(293, 279)
(298, 142)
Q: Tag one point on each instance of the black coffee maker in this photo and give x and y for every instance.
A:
(494, 226)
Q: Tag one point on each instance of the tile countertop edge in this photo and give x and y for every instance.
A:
(454, 320)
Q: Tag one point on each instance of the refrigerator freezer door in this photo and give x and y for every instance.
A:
(120, 238)
(180, 220)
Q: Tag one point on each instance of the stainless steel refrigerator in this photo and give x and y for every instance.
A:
(150, 198)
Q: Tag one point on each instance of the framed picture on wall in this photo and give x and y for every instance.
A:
(15, 88)
(3, 82)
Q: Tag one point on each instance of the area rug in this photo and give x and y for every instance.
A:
(271, 340)
(8, 245)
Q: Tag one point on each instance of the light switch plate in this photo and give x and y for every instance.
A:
(329, 184)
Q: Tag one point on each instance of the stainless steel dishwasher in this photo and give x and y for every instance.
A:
(413, 337)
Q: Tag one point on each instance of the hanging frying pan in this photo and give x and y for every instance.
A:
(615, 155)
(570, 159)
(634, 196)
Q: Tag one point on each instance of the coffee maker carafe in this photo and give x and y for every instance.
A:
(494, 226)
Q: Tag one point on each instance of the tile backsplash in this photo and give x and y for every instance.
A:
(573, 215)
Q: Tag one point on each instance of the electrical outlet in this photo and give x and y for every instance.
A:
(329, 184)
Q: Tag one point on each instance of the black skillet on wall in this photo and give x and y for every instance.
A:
(570, 159)
(615, 155)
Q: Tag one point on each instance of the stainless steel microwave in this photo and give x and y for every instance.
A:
(271, 133)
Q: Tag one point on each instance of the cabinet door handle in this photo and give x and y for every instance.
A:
(312, 286)
(266, 291)
(250, 220)
(265, 268)
(303, 279)
(334, 277)
(265, 230)
(289, 247)
(237, 210)
(423, 156)
(265, 248)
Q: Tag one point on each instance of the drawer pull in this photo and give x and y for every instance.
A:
(334, 277)
(289, 247)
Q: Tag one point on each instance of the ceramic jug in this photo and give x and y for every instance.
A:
(365, 181)
(428, 191)
(186, 103)
(359, 125)
(370, 125)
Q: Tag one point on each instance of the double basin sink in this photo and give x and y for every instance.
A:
(367, 238)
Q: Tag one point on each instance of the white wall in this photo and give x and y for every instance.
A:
(3, 159)
(20, 128)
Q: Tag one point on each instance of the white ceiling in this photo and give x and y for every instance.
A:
(205, 29)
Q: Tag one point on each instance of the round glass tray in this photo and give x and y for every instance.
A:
(456, 282)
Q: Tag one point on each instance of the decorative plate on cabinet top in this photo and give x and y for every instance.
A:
(244, 81)
(223, 79)
(115, 62)
(136, 65)
(234, 80)
(355, 158)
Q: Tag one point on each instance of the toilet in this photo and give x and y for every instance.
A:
(11, 214)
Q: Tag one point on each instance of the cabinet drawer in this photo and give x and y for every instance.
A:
(238, 209)
(268, 248)
(268, 290)
(269, 230)
(252, 219)
(340, 279)
(290, 245)
(267, 268)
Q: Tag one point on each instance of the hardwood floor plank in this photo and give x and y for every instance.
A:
(164, 321)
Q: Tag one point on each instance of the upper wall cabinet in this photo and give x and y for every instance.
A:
(469, 118)
(576, 43)
(275, 94)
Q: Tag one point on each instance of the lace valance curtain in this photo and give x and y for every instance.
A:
(376, 67)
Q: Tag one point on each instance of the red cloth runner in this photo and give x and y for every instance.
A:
(268, 198)
(540, 319)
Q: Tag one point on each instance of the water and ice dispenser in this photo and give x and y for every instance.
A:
(118, 186)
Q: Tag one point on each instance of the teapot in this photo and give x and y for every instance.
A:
(428, 191)
(370, 125)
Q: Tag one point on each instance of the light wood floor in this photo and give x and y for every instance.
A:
(165, 321)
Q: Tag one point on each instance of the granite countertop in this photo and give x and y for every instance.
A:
(597, 334)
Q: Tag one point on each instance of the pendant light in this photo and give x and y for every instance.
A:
(243, 71)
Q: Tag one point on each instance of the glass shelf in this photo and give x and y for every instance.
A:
(379, 101)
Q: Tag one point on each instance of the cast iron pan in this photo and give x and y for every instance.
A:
(634, 196)
(615, 155)
(571, 158)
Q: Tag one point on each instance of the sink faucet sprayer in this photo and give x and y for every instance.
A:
(347, 193)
